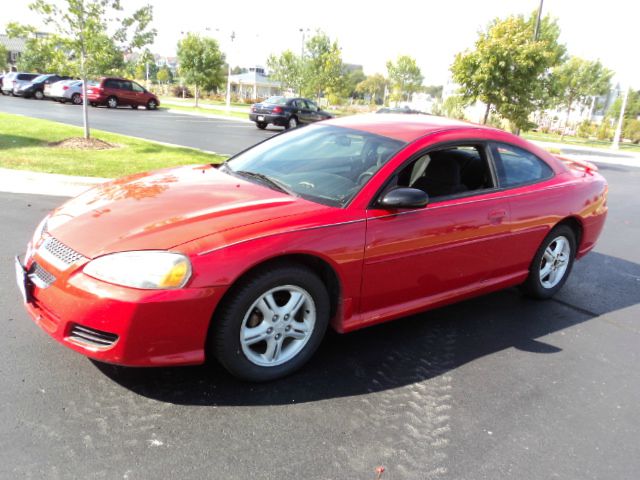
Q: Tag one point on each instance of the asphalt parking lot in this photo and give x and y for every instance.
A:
(496, 387)
(217, 135)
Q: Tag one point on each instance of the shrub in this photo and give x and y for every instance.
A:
(586, 129)
(181, 91)
(604, 132)
(632, 131)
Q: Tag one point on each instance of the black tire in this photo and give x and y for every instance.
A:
(76, 99)
(112, 102)
(152, 105)
(224, 340)
(135, 107)
(93, 104)
(534, 285)
(38, 95)
(292, 123)
(261, 125)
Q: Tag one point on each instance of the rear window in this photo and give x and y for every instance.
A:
(276, 101)
(27, 76)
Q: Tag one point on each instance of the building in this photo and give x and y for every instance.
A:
(15, 46)
(254, 84)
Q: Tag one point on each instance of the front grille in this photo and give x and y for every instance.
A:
(40, 277)
(93, 337)
(58, 253)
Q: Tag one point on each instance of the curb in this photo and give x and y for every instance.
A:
(37, 183)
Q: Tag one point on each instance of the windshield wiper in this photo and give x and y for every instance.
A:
(269, 181)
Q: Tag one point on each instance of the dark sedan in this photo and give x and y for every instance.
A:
(286, 112)
(36, 88)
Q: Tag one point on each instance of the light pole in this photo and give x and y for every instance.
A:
(233, 36)
(536, 34)
(616, 138)
(303, 31)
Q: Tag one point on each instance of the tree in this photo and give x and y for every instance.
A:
(287, 69)
(4, 58)
(352, 78)
(201, 62)
(322, 67)
(164, 75)
(508, 70)
(95, 31)
(405, 77)
(373, 86)
(434, 90)
(146, 63)
(577, 79)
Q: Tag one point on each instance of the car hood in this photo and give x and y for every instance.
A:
(164, 209)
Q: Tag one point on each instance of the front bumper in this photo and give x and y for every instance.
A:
(280, 120)
(151, 327)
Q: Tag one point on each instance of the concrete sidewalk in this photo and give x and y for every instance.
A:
(24, 181)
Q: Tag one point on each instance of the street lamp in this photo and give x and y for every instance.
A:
(303, 31)
(233, 36)
(616, 138)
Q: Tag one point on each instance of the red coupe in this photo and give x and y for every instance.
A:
(348, 223)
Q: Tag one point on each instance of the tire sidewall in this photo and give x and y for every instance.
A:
(227, 323)
(533, 285)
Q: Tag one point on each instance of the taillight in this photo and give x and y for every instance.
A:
(65, 87)
(277, 110)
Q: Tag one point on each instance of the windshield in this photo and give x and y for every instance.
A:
(322, 163)
(40, 78)
(276, 100)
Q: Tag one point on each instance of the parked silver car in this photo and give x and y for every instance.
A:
(12, 81)
(65, 91)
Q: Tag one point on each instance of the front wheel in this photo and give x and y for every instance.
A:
(271, 324)
(152, 105)
(552, 263)
(292, 123)
(39, 95)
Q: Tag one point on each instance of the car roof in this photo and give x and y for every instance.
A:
(401, 126)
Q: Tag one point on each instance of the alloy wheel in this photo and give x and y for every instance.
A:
(277, 326)
(554, 262)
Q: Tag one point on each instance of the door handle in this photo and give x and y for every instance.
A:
(497, 216)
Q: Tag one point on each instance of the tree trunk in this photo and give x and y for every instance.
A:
(566, 122)
(486, 114)
(197, 95)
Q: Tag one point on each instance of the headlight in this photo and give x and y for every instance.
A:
(40, 229)
(148, 269)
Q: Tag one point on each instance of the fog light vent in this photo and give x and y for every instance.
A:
(93, 337)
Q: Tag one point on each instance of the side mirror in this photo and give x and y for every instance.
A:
(404, 198)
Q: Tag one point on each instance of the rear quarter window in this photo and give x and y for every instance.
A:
(516, 166)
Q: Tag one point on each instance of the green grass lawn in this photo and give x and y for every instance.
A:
(24, 146)
(555, 138)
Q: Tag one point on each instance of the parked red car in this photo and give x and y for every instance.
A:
(115, 92)
(348, 223)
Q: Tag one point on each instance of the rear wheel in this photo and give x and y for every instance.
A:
(261, 125)
(552, 263)
(112, 102)
(271, 324)
(76, 99)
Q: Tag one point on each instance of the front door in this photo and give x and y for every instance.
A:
(416, 257)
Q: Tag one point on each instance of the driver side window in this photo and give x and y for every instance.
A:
(448, 171)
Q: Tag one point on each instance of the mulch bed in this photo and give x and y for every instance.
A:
(79, 143)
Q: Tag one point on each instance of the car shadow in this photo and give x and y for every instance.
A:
(410, 350)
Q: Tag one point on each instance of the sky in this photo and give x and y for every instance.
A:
(372, 32)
